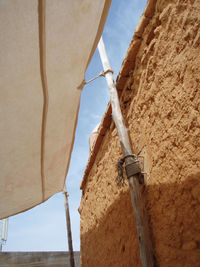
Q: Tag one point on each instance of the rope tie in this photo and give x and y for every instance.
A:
(120, 181)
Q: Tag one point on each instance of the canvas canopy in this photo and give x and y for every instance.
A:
(45, 49)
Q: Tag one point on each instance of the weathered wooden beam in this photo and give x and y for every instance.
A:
(146, 253)
(69, 233)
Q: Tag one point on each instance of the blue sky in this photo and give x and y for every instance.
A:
(43, 228)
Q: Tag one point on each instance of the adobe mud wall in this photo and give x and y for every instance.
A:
(161, 106)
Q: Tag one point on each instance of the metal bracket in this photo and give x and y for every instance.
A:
(144, 168)
(133, 168)
(102, 73)
(141, 163)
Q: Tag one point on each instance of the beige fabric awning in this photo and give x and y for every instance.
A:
(45, 50)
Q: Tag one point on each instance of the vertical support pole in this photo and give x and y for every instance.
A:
(145, 246)
(69, 233)
(4, 233)
(1, 245)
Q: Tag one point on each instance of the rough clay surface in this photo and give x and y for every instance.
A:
(161, 105)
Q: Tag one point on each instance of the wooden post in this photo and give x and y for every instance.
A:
(145, 246)
(69, 233)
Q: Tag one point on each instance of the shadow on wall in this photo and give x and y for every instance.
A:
(174, 217)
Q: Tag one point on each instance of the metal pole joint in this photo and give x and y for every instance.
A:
(132, 168)
(132, 165)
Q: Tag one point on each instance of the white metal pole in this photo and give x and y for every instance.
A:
(4, 232)
(116, 110)
(145, 246)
